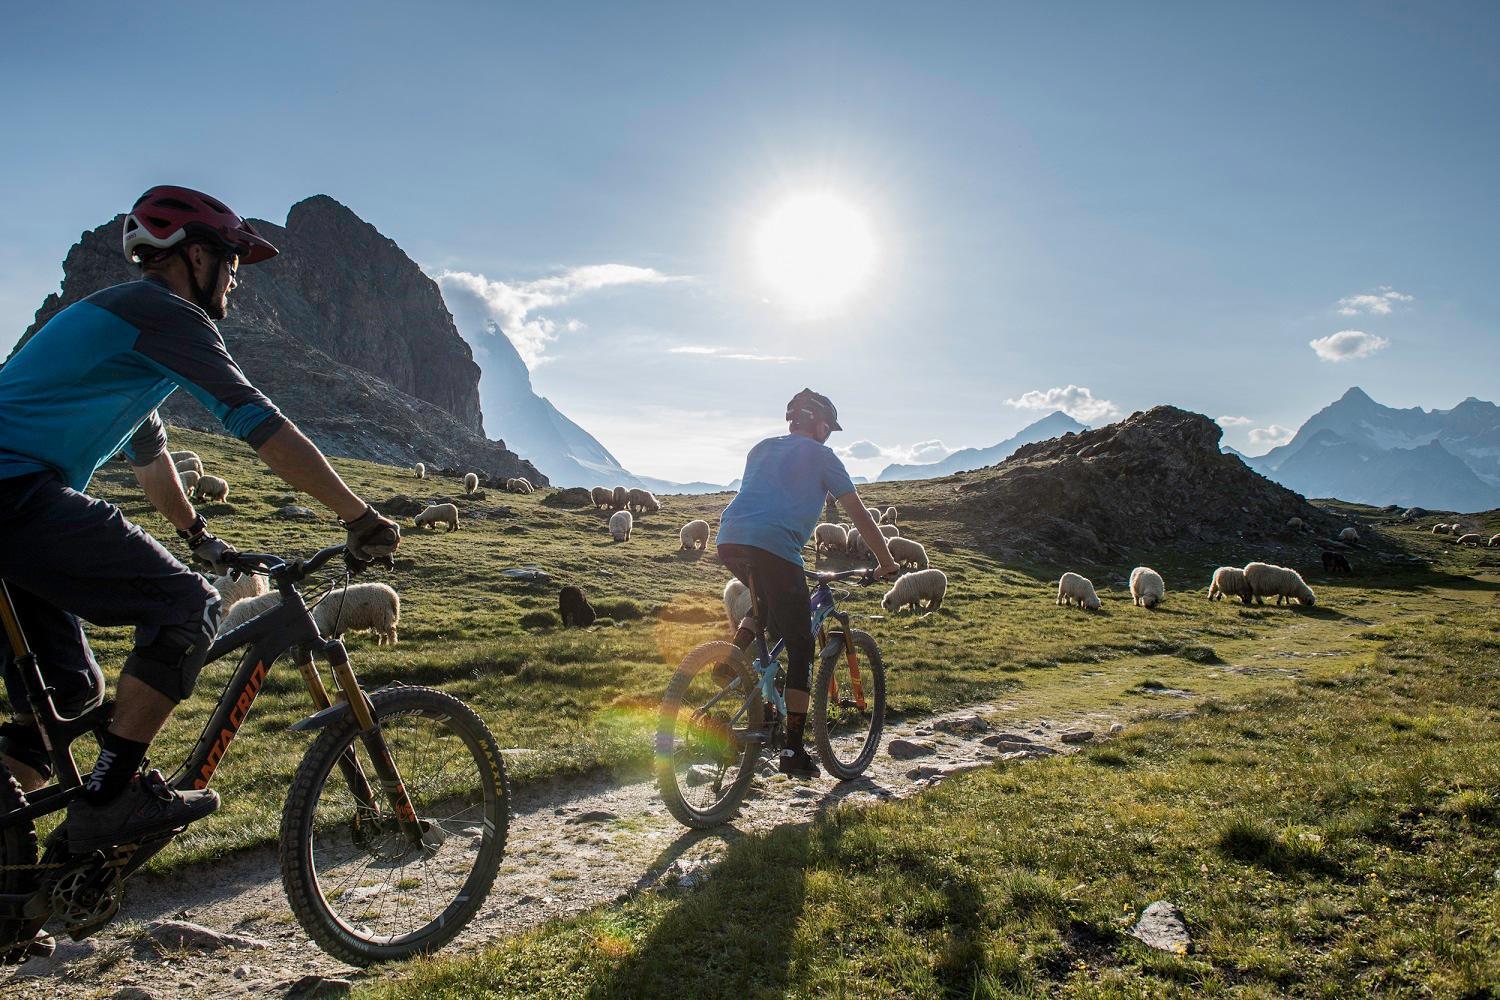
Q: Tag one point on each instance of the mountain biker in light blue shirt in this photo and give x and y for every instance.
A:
(762, 533)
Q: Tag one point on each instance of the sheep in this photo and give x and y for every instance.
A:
(471, 483)
(441, 513)
(907, 552)
(178, 456)
(694, 535)
(829, 538)
(854, 544)
(1294, 524)
(889, 517)
(620, 525)
(874, 513)
(1495, 541)
(1073, 588)
(574, 609)
(644, 500)
(1284, 584)
(1230, 581)
(519, 485)
(360, 606)
(232, 590)
(1472, 538)
(1439, 529)
(890, 530)
(211, 488)
(189, 480)
(189, 464)
(1147, 588)
(738, 604)
(248, 608)
(1349, 534)
(419, 470)
(601, 495)
(620, 498)
(921, 591)
(1335, 562)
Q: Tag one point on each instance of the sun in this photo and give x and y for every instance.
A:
(814, 252)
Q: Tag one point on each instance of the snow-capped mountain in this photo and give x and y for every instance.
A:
(1053, 425)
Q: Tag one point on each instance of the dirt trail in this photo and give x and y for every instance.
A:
(574, 844)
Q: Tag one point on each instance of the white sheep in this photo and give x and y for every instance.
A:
(694, 534)
(519, 485)
(471, 483)
(360, 606)
(737, 602)
(601, 495)
(889, 517)
(874, 513)
(620, 525)
(829, 538)
(920, 591)
(1294, 524)
(907, 552)
(441, 513)
(1075, 589)
(890, 530)
(1472, 538)
(619, 498)
(1495, 541)
(189, 480)
(1147, 588)
(642, 501)
(1349, 535)
(854, 544)
(211, 488)
(1279, 582)
(178, 456)
(1229, 581)
(193, 464)
(419, 470)
(246, 609)
(232, 591)
(1440, 529)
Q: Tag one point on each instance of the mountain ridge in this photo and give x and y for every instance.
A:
(1054, 424)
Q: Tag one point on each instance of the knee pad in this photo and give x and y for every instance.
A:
(170, 662)
(22, 742)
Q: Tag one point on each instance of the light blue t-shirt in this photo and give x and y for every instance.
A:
(781, 496)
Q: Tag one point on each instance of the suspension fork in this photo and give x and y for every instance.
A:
(349, 766)
(374, 741)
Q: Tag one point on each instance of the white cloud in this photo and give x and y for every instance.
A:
(920, 453)
(719, 352)
(1270, 437)
(930, 451)
(1076, 401)
(1234, 421)
(512, 306)
(1347, 345)
(1377, 303)
(861, 449)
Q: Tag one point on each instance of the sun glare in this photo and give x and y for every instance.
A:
(814, 252)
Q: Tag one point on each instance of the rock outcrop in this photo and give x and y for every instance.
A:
(344, 332)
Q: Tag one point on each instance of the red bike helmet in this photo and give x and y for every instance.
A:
(165, 216)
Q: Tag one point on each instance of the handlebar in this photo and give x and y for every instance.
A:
(865, 576)
(284, 573)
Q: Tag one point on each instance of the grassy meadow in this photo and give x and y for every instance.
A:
(585, 699)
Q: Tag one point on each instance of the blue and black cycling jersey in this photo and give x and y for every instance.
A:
(88, 383)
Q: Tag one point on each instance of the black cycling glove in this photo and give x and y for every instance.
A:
(206, 548)
(371, 535)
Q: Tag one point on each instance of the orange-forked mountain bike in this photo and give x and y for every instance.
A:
(393, 827)
(723, 710)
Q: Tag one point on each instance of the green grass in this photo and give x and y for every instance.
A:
(1335, 836)
(585, 699)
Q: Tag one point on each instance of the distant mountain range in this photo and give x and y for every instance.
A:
(1357, 449)
(1053, 425)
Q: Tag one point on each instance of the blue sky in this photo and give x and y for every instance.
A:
(1155, 203)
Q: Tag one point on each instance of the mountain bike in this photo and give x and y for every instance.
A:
(389, 859)
(724, 710)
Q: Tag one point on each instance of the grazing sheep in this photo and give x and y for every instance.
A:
(855, 545)
(889, 517)
(1284, 584)
(1230, 581)
(1334, 562)
(574, 609)
(471, 483)
(1439, 529)
(193, 464)
(178, 456)
(441, 513)
(1294, 524)
(1349, 535)
(620, 525)
(1147, 588)
(619, 498)
(1495, 541)
(738, 605)
(874, 513)
(907, 553)
(232, 591)
(211, 488)
(694, 535)
(189, 480)
(1472, 538)
(890, 530)
(519, 485)
(1072, 588)
(248, 608)
(419, 470)
(642, 502)
(829, 538)
(601, 495)
(920, 591)
(360, 606)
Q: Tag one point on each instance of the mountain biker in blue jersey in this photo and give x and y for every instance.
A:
(86, 386)
(762, 533)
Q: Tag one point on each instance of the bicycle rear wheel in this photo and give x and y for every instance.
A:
(708, 735)
(360, 887)
(847, 716)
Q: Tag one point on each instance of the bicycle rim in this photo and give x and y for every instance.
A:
(361, 888)
(707, 735)
(848, 716)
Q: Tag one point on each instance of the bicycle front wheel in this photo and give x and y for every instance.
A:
(848, 709)
(360, 885)
(709, 735)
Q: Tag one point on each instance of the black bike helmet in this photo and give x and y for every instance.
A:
(809, 406)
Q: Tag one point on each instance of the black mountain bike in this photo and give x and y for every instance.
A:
(723, 710)
(390, 858)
